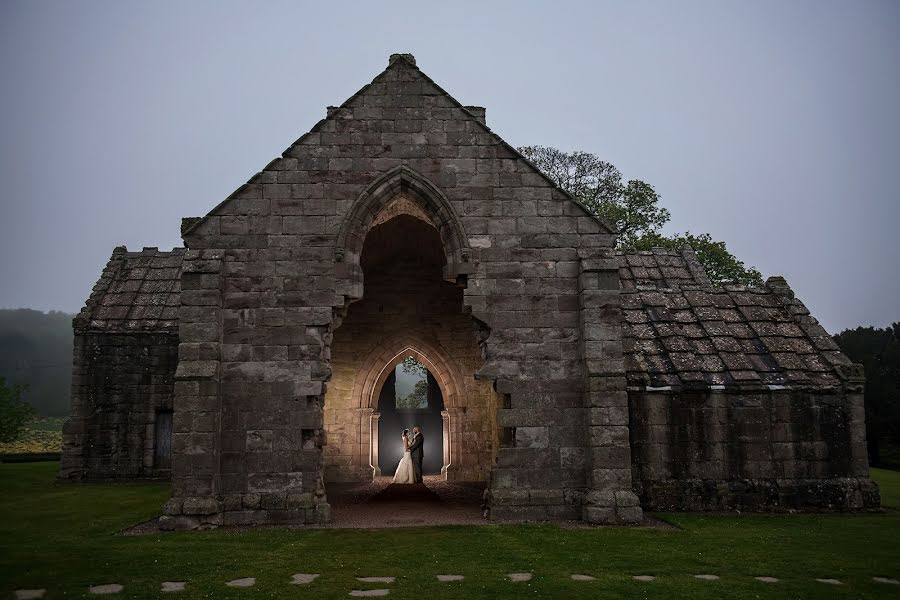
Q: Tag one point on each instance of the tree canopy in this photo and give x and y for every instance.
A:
(878, 350)
(14, 413)
(36, 351)
(418, 396)
(633, 208)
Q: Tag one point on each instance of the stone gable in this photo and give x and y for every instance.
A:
(401, 226)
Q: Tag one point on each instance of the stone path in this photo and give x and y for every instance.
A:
(172, 586)
(107, 588)
(307, 578)
(374, 579)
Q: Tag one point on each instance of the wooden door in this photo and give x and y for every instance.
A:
(162, 449)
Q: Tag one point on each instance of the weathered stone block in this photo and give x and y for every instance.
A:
(532, 437)
(201, 506)
(173, 507)
(251, 501)
(259, 440)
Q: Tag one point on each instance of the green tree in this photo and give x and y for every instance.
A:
(878, 350)
(634, 210)
(632, 207)
(418, 397)
(414, 367)
(14, 412)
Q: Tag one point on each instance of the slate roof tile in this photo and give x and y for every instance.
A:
(731, 335)
(137, 291)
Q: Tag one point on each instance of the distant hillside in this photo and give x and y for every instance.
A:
(36, 349)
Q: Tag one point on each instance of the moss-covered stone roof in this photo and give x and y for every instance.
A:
(137, 291)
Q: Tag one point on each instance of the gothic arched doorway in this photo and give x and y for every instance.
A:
(404, 284)
(410, 396)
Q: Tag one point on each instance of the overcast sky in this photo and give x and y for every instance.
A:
(771, 125)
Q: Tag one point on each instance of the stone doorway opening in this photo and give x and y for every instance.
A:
(403, 304)
(410, 396)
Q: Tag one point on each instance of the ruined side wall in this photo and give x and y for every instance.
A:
(414, 306)
(119, 382)
(750, 451)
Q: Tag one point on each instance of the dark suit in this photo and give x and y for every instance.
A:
(415, 452)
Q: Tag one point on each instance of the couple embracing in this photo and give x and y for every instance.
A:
(410, 468)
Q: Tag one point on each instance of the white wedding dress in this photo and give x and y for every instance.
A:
(405, 472)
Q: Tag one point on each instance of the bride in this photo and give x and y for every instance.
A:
(405, 472)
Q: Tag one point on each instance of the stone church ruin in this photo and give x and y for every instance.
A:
(262, 361)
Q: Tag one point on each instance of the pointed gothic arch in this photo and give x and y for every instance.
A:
(406, 182)
(390, 353)
(376, 369)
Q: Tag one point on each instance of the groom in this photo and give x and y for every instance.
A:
(415, 452)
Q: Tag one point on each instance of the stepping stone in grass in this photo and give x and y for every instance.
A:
(706, 577)
(878, 579)
(107, 588)
(370, 592)
(830, 581)
(34, 594)
(450, 577)
(644, 577)
(303, 578)
(376, 579)
(519, 577)
(245, 582)
(767, 579)
(172, 586)
(583, 578)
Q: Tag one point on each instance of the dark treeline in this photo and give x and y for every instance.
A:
(878, 350)
(36, 350)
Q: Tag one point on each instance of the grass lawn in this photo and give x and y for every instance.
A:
(59, 537)
(41, 434)
(889, 482)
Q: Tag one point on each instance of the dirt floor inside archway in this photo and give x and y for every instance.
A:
(379, 503)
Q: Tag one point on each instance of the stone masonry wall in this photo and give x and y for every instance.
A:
(288, 273)
(750, 451)
(119, 382)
